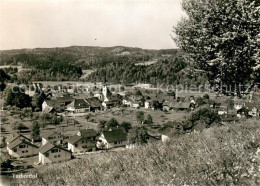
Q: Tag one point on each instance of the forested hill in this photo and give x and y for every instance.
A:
(117, 64)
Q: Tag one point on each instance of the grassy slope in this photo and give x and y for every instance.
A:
(217, 155)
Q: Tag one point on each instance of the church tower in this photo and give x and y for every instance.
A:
(104, 92)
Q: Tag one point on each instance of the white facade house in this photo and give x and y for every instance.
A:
(222, 111)
(52, 137)
(135, 104)
(78, 106)
(50, 153)
(126, 102)
(112, 138)
(84, 141)
(21, 148)
(166, 134)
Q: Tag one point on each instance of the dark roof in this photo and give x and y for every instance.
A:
(78, 104)
(52, 103)
(181, 105)
(49, 133)
(222, 108)
(220, 101)
(250, 106)
(115, 98)
(228, 118)
(167, 131)
(114, 135)
(94, 102)
(65, 99)
(88, 133)
(152, 139)
(49, 110)
(17, 142)
(74, 139)
(48, 146)
(15, 136)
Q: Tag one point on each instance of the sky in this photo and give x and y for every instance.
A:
(61, 23)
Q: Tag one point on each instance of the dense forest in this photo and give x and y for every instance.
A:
(115, 64)
(172, 70)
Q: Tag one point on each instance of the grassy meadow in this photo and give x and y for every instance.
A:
(219, 155)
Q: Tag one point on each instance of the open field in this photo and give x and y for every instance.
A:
(147, 63)
(129, 114)
(86, 73)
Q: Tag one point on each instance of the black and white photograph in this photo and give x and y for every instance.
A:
(129, 92)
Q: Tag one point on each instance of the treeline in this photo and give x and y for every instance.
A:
(51, 66)
(172, 71)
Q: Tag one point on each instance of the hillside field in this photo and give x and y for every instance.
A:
(219, 155)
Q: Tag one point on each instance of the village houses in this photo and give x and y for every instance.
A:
(84, 141)
(50, 153)
(20, 148)
(52, 137)
(112, 138)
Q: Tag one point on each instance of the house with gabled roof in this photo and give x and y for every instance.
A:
(15, 136)
(112, 138)
(148, 103)
(222, 110)
(253, 109)
(95, 104)
(167, 133)
(51, 153)
(183, 106)
(59, 103)
(84, 141)
(52, 137)
(20, 148)
(239, 103)
(126, 101)
(78, 106)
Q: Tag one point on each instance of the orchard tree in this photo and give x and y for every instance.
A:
(35, 130)
(17, 97)
(149, 120)
(112, 123)
(140, 116)
(220, 37)
(138, 135)
(127, 126)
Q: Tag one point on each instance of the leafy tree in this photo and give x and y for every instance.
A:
(88, 117)
(138, 93)
(112, 123)
(127, 126)
(21, 126)
(205, 116)
(156, 104)
(17, 97)
(231, 104)
(102, 124)
(220, 37)
(200, 101)
(3, 78)
(35, 130)
(140, 116)
(206, 96)
(149, 119)
(138, 135)
(37, 101)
